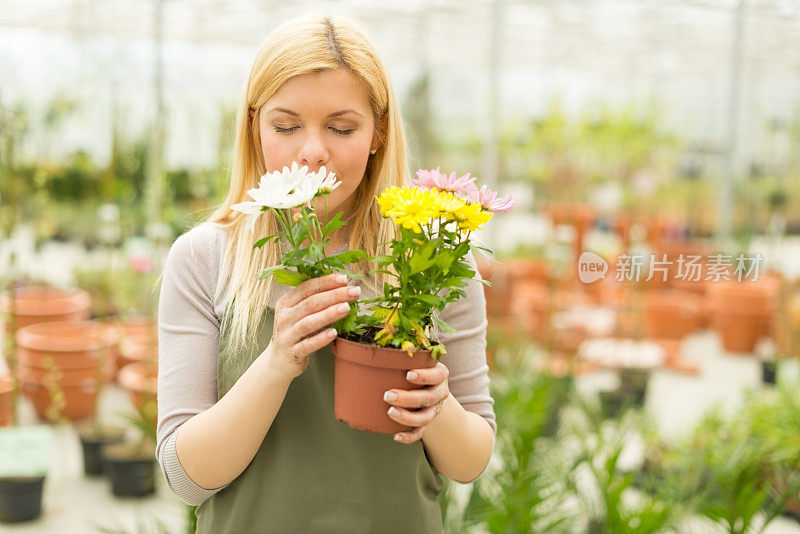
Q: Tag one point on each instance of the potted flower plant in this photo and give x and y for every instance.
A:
(434, 221)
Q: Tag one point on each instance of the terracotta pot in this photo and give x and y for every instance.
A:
(743, 311)
(6, 393)
(79, 398)
(506, 277)
(362, 374)
(137, 347)
(41, 304)
(671, 313)
(65, 345)
(122, 329)
(140, 380)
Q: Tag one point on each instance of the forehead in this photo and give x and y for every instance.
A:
(325, 91)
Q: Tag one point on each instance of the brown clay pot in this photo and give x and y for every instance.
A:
(671, 314)
(743, 311)
(62, 358)
(64, 344)
(137, 347)
(140, 380)
(79, 397)
(362, 374)
(121, 329)
(41, 304)
(6, 392)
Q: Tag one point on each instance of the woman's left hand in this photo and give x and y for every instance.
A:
(418, 407)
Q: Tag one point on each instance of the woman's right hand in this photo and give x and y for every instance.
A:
(307, 308)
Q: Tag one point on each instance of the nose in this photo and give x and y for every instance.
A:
(313, 152)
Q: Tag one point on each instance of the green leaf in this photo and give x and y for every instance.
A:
(345, 258)
(261, 242)
(383, 260)
(443, 326)
(334, 224)
(422, 258)
(288, 278)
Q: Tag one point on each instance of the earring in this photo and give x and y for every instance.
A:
(373, 151)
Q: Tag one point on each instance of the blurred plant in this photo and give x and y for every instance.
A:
(523, 489)
(740, 472)
(119, 290)
(606, 493)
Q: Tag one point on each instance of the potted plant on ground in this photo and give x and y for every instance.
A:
(130, 464)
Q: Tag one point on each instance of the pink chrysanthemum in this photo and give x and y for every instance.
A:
(428, 179)
(488, 199)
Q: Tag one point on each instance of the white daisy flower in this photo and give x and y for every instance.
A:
(286, 189)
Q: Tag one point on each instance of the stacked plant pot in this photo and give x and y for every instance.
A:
(121, 329)
(743, 311)
(138, 371)
(43, 304)
(60, 367)
(6, 404)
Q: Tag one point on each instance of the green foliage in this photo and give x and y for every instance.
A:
(735, 469)
(429, 272)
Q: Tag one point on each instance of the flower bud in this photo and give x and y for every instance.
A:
(297, 217)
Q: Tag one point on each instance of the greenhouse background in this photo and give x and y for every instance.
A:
(623, 128)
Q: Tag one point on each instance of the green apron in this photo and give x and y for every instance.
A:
(313, 473)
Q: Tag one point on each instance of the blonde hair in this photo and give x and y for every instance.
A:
(306, 44)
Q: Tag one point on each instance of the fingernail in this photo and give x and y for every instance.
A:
(394, 411)
(354, 291)
(390, 396)
(341, 278)
(411, 375)
(343, 307)
(397, 437)
(332, 332)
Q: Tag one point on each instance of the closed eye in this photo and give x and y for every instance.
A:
(293, 128)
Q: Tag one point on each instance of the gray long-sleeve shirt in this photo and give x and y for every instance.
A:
(188, 334)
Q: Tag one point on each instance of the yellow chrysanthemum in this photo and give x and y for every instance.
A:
(447, 203)
(470, 217)
(409, 207)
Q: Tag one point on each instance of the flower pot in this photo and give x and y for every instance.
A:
(362, 374)
(65, 345)
(613, 403)
(671, 314)
(20, 498)
(121, 329)
(41, 304)
(140, 380)
(6, 404)
(92, 442)
(743, 311)
(137, 347)
(130, 469)
(78, 401)
(633, 382)
(769, 372)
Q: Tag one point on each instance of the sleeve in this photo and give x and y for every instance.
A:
(466, 349)
(188, 331)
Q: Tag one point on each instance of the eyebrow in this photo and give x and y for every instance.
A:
(334, 114)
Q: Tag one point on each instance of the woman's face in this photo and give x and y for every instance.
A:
(321, 119)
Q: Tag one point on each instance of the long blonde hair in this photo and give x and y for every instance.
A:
(306, 44)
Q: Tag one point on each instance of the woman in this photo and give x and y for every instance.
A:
(246, 427)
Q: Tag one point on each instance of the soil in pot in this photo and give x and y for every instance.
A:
(20, 498)
(93, 439)
(363, 373)
(131, 469)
